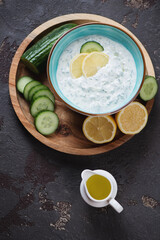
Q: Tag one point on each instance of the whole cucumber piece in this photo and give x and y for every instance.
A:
(35, 58)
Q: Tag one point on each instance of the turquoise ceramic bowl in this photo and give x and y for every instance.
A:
(109, 31)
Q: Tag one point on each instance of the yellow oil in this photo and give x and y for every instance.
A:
(98, 187)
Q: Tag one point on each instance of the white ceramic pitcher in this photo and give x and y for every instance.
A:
(109, 200)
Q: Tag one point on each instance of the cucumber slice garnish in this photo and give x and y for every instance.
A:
(91, 46)
(45, 92)
(40, 104)
(22, 82)
(28, 88)
(46, 122)
(34, 90)
(149, 88)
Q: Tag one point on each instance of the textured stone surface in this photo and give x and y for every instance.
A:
(39, 195)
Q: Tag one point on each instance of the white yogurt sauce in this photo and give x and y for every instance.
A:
(108, 88)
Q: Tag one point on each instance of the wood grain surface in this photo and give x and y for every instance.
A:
(69, 137)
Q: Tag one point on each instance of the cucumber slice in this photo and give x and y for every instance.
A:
(91, 46)
(46, 122)
(35, 89)
(149, 88)
(40, 104)
(45, 92)
(22, 82)
(28, 88)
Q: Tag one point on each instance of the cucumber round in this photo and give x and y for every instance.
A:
(28, 88)
(22, 82)
(43, 92)
(91, 46)
(46, 122)
(149, 88)
(40, 104)
(34, 90)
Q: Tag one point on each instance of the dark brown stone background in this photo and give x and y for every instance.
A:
(39, 195)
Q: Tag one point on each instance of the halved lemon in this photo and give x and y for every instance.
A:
(93, 62)
(76, 65)
(99, 129)
(132, 119)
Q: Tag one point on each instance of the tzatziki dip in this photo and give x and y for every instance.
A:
(108, 88)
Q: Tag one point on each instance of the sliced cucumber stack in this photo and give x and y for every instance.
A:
(28, 88)
(22, 82)
(44, 92)
(91, 46)
(149, 88)
(40, 104)
(35, 89)
(46, 122)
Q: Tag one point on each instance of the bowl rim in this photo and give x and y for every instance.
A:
(70, 106)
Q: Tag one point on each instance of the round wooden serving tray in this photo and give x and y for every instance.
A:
(69, 137)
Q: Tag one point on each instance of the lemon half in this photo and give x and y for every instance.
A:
(99, 129)
(132, 119)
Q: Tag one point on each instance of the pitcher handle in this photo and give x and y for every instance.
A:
(116, 205)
